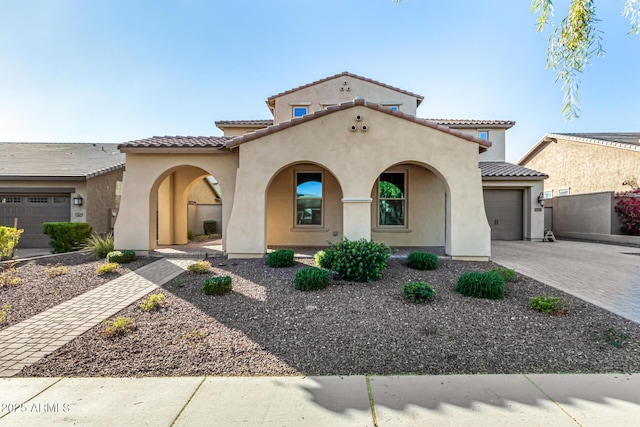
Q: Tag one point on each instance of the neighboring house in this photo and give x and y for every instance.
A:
(580, 163)
(45, 182)
(344, 156)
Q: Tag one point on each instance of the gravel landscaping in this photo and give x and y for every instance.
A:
(266, 327)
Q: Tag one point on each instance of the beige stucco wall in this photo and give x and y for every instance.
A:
(101, 197)
(356, 159)
(281, 229)
(202, 194)
(335, 91)
(497, 151)
(585, 168)
(136, 224)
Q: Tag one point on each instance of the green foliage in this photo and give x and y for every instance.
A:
(422, 261)
(67, 236)
(281, 258)
(190, 235)
(324, 258)
(9, 238)
(118, 327)
(194, 335)
(200, 267)
(108, 267)
(359, 260)
(121, 257)
(99, 245)
(312, 279)
(218, 285)
(418, 291)
(507, 274)
(549, 305)
(9, 276)
(56, 270)
(613, 337)
(487, 285)
(155, 302)
(4, 311)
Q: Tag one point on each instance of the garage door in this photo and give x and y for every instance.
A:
(32, 210)
(504, 213)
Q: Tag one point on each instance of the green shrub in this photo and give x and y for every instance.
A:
(121, 257)
(154, 302)
(56, 270)
(118, 327)
(324, 258)
(312, 279)
(217, 285)
(67, 236)
(359, 260)
(108, 267)
(422, 261)
(507, 274)
(9, 238)
(481, 285)
(200, 267)
(549, 305)
(281, 258)
(418, 291)
(100, 246)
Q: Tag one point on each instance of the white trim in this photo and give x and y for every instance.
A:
(357, 200)
(300, 103)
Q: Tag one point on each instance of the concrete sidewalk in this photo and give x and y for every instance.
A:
(455, 400)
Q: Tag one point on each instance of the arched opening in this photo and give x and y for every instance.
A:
(409, 206)
(180, 201)
(304, 206)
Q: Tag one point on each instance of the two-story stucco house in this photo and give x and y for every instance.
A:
(343, 157)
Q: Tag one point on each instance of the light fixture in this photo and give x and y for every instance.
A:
(77, 200)
(541, 199)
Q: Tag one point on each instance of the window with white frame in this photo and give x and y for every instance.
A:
(308, 198)
(548, 194)
(563, 192)
(392, 199)
(300, 110)
(483, 134)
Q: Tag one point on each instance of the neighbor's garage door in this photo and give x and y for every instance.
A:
(504, 213)
(32, 210)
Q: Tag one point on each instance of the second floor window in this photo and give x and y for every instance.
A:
(300, 111)
(484, 134)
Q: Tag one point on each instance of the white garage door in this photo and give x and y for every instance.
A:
(504, 213)
(32, 210)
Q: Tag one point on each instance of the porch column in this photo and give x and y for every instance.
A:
(356, 217)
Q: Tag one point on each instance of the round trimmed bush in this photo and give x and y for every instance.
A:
(312, 279)
(218, 285)
(549, 305)
(281, 258)
(418, 291)
(324, 258)
(507, 274)
(121, 257)
(359, 260)
(422, 261)
(487, 285)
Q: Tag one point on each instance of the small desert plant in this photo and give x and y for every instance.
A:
(56, 270)
(99, 245)
(4, 311)
(217, 285)
(194, 335)
(481, 285)
(281, 258)
(614, 337)
(324, 258)
(418, 291)
(190, 235)
(549, 305)
(178, 282)
(9, 276)
(422, 261)
(118, 327)
(200, 267)
(108, 267)
(154, 302)
(121, 257)
(359, 260)
(507, 274)
(311, 279)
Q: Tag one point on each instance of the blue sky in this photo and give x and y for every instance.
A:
(119, 70)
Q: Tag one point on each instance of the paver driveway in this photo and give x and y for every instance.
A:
(605, 275)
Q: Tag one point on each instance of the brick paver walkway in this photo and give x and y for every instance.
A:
(604, 275)
(27, 342)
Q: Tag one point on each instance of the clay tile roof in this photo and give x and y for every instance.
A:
(632, 138)
(508, 170)
(503, 124)
(177, 142)
(347, 74)
(238, 140)
(240, 123)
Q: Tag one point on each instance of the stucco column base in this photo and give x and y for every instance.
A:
(244, 256)
(356, 218)
(470, 258)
